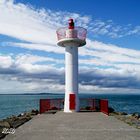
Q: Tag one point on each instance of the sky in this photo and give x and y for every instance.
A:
(31, 61)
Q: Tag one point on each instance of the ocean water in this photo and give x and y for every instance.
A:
(16, 104)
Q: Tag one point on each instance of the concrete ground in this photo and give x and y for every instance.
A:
(75, 126)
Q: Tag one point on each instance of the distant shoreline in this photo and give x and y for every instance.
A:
(64, 94)
(34, 94)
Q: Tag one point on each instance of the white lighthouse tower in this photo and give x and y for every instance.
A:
(71, 38)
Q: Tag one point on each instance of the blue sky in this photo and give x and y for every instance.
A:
(30, 60)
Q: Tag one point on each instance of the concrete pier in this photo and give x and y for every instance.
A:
(75, 126)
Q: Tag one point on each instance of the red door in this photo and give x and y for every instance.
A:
(72, 101)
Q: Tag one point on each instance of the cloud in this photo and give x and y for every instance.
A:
(34, 25)
(22, 22)
(109, 78)
(26, 23)
(40, 47)
(110, 55)
(103, 67)
(135, 31)
(26, 72)
(25, 68)
(113, 30)
(5, 61)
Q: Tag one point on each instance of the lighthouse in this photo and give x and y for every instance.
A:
(71, 38)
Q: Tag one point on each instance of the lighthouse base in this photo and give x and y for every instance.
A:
(71, 107)
(72, 104)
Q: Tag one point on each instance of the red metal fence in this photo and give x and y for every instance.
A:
(51, 104)
(44, 105)
(85, 104)
(104, 106)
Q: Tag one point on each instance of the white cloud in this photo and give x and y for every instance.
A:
(5, 61)
(103, 67)
(37, 26)
(113, 49)
(100, 54)
(40, 47)
(33, 59)
(113, 30)
(36, 77)
(22, 22)
(134, 31)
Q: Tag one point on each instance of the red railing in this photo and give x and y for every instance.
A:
(85, 104)
(104, 106)
(81, 33)
(51, 104)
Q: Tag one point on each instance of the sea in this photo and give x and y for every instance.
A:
(19, 103)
